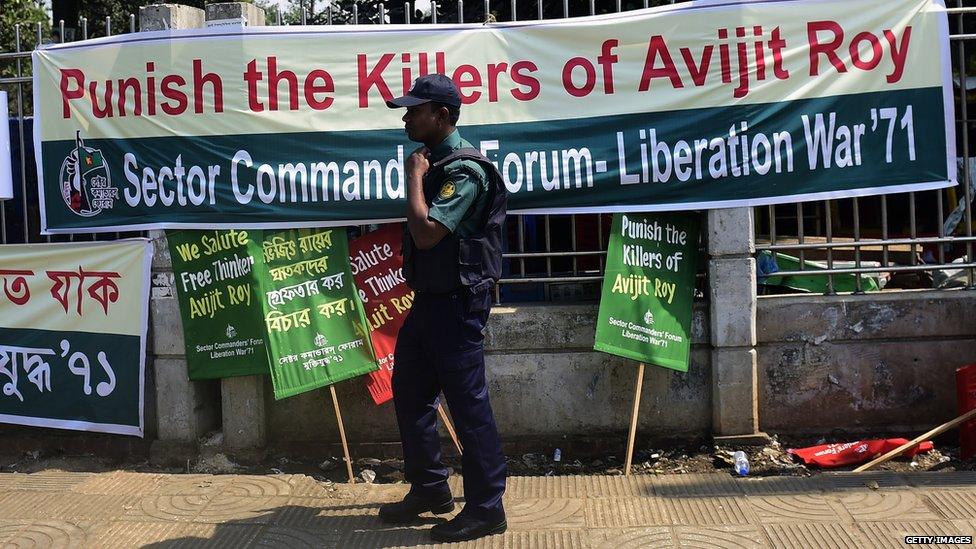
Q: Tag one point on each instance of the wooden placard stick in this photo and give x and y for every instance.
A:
(633, 420)
(450, 427)
(918, 440)
(342, 435)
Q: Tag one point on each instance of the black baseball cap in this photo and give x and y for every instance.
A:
(433, 87)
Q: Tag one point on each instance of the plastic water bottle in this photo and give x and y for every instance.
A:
(741, 463)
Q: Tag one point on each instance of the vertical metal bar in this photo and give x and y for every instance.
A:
(939, 222)
(108, 32)
(830, 250)
(857, 249)
(884, 230)
(572, 228)
(20, 128)
(646, 4)
(84, 28)
(566, 9)
(355, 13)
(514, 10)
(592, 7)
(772, 224)
(460, 10)
(548, 248)
(538, 10)
(20, 112)
(305, 14)
(967, 190)
(911, 227)
(3, 212)
(619, 6)
(521, 236)
(383, 14)
(328, 14)
(599, 237)
(3, 204)
(407, 12)
(278, 15)
(71, 237)
(132, 22)
(799, 231)
(433, 12)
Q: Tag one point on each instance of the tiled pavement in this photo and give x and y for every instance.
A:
(124, 509)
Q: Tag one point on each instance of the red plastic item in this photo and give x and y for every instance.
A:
(966, 397)
(853, 453)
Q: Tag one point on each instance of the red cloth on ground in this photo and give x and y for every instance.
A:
(853, 453)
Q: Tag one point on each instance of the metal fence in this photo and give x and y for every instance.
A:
(898, 241)
(907, 240)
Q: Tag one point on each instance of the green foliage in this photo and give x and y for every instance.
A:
(27, 14)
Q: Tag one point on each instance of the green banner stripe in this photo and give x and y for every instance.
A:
(877, 142)
(53, 387)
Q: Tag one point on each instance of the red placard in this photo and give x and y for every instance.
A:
(377, 268)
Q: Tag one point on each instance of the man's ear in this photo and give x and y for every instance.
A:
(444, 115)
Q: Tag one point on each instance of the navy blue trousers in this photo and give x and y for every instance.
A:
(440, 348)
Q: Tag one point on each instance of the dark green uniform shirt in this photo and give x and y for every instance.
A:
(460, 203)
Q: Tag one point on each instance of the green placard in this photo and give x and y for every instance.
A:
(316, 328)
(648, 288)
(222, 316)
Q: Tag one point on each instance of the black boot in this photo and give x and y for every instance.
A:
(466, 528)
(413, 505)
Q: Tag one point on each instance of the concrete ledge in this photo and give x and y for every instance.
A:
(569, 393)
(511, 328)
(161, 257)
(734, 391)
(538, 327)
(167, 327)
(754, 439)
(532, 394)
(18, 439)
(734, 409)
(159, 17)
(733, 302)
(243, 411)
(733, 365)
(185, 409)
(172, 453)
(729, 232)
(878, 315)
(236, 10)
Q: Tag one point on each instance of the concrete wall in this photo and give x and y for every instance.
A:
(883, 362)
(544, 377)
(873, 363)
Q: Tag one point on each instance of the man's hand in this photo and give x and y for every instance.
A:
(417, 164)
(425, 232)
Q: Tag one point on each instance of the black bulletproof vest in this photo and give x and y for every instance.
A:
(455, 262)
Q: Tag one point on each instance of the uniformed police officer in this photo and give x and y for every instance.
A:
(452, 259)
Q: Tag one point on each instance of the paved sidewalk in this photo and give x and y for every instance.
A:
(123, 509)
